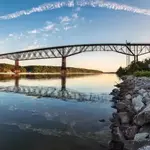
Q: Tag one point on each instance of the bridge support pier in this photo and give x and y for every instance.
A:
(63, 74)
(63, 66)
(16, 70)
(135, 58)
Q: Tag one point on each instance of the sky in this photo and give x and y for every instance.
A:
(41, 23)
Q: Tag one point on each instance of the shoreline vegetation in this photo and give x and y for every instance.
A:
(34, 69)
(139, 69)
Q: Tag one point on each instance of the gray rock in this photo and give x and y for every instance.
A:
(146, 100)
(115, 92)
(137, 103)
(128, 97)
(141, 91)
(130, 132)
(145, 94)
(130, 78)
(121, 106)
(145, 148)
(124, 117)
(143, 117)
(141, 137)
(145, 128)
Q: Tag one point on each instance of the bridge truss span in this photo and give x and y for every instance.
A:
(129, 49)
(70, 50)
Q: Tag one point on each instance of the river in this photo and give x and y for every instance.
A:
(52, 113)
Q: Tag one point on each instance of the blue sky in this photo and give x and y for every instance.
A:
(74, 25)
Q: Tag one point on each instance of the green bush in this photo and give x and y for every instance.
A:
(142, 74)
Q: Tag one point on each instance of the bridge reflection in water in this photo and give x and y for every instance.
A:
(62, 93)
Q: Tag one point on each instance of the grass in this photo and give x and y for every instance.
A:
(142, 74)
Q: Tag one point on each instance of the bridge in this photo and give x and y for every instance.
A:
(129, 49)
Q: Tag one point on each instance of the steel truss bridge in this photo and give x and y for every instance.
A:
(129, 49)
(52, 92)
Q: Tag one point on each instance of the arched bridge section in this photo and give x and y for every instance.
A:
(130, 49)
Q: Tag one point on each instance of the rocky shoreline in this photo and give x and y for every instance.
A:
(131, 122)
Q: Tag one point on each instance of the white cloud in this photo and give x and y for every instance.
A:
(10, 35)
(40, 8)
(77, 3)
(34, 45)
(57, 29)
(35, 31)
(75, 16)
(66, 28)
(49, 27)
(64, 19)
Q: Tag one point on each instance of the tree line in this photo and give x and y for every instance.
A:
(140, 66)
(45, 69)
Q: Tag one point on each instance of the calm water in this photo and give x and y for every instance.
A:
(56, 114)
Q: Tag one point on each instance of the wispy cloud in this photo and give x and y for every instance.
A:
(113, 5)
(35, 44)
(40, 8)
(33, 31)
(49, 27)
(66, 28)
(78, 4)
(75, 15)
(10, 35)
(65, 19)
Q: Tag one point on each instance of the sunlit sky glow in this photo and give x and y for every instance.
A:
(40, 23)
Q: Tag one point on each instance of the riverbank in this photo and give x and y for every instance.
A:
(131, 122)
(44, 69)
(55, 73)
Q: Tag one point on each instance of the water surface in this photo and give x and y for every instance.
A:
(55, 113)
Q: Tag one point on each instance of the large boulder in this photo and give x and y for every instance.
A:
(120, 106)
(141, 137)
(146, 98)
(114, 92)
(130, 132)
(141, 91)
(143, 117)
(145, 148)
(128, 97)
(137, 103)
(124, 117)
(145, 128)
